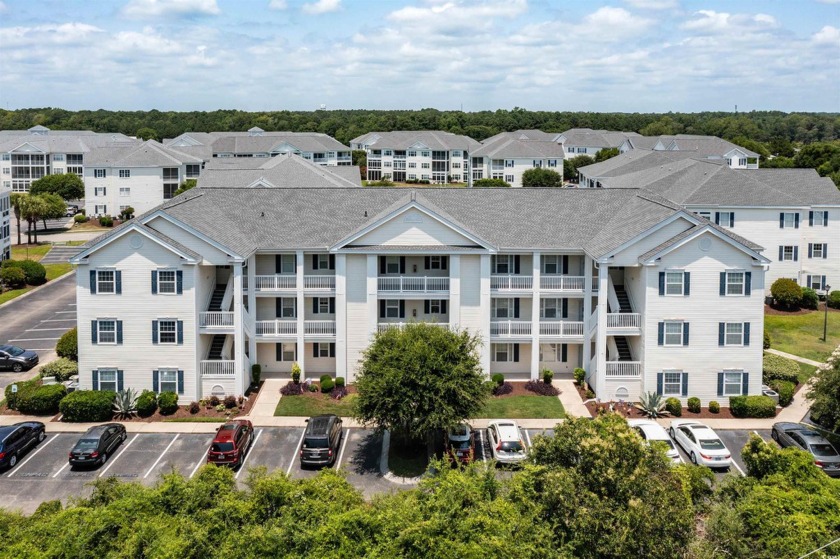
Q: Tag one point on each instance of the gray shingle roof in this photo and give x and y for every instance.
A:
(595, 138)
(525, 135)
(404, 139)
(146, 154)
(281, 171)
(505, 146)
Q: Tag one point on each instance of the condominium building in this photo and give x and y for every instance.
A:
(694, 146)
(433, 156)
(281, 171)
(5, 223)
(585, 141)
(508, 155)
(641, 293)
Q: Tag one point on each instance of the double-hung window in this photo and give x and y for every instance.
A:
(108, 380)
(99, 173)
(392, 265)
(392, 308)
(286, 264)
(509, 179)
(168, 380)
(818, 218)
(817, 250)
(673, 333)
(99, 191)
(725, 219)
(166, 282)
(436, 262)
(503, 264)
(735, 283)
(106, 331)
(323, 350)
(286, 307)
(734, 334)
(788, 220)
(788, 253)
(323, 305)
(167, 331)
(125, 191)
(287, 352)
(672, 383)
(324, 261)
(551, 264)
(435, 306)
(548, 353)
(125, 173)
(106, 281)
(733, 383)
(675, 283)
(502, 353)
(502, 308)
(550, 308)
(509, 163)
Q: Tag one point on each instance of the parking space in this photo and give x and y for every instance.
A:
(273, 448)
(182, 455)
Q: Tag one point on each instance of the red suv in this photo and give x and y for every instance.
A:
(231, 443)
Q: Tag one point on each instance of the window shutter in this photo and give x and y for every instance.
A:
(426, 306)
(747, 283)
(720, 384)
(516, 263)
(444, 305)
(315, 350)
(332, 305)
(118, 281)
(119, 331)
(808, 280)
(180, 381)
(722, 284)
(315, 305)
(154, 282)
(516, 353)
(795, 253)
(119, 380)
(660, 337)
(810, 219)
(444, 262)
(796, 220)
(686, 284)
(179, 280)
(278, 308)
(732, 219)
(402, 309)
(825, 218)
(684, 384)
(721, 333)
(564, 352)
(154, 331)
(278, 263)
(661, 283)
(659, 381)
(564, 308)
(179, 325)
(781, 220)
(823, 283)
(810, 250)
(332, 261)
(746, 333)
(155, 381)
(314, 261)
(93, 282)
(685, 333)
(95, 379)
(516, 308)
(382, 265)
(427, 262)
(332, 350)
(402, 264)
(825, 250)
(717, 218)
(565, 264)
(93, 332)
(781, 253)
(745, 383)
(278, 352)
(382, 308)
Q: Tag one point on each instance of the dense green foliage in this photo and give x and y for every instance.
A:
(833, 300)
(539, 177)
(88, 405)
(146, 403)
(68, 345)
(777, 367)
(694, 405)
(752, 406)
(605, 154)
(67, 185)
(62, 369)
(490, 183)
(167, 403)
(186, 185)
(714, 406)
(810, 299)
(785, 390)
(11, 277)
(673, 406)
(34, 272)
(786, 292)
(419, 379)
(22, 388)
(40, 400)
(767, 341)
(824, 393)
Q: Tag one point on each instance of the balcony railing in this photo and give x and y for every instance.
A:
(276, 327)
(215, 319)
(319, 327)
(319, 282)
(624, 320)
(383, 326)
(217, 367)
(562, 329)
(624, 369)
(275, 282)
(510, 328)
(511, 283)
(562, 283)
(421, 284)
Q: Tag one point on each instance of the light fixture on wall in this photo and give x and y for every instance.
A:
(414, 268)
(414, 313)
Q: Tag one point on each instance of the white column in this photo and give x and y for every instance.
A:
(372, 294)
(341, 317)
(586, 354)
(252, 308)
(484, 294)
(301, 313)
(601, 332)
(535, 318)
(238, 330)
(454, 291)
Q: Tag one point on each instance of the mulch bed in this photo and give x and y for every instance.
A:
(631, 412)
(351, 389)
(773, 310)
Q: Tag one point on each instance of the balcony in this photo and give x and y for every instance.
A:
(276, 328)
(406, 284)
(319, 328)
(511, 283)
(624, 369)
(624, 320)
(217, 368)
(319, 283)
(568, 284)
(510, 328)
(216, 321)
(561, 329)
(274, 283)
(383, 326)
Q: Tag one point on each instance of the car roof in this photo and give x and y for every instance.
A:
(319, 425)
(652, 429)
(5, 431)
(507, 430)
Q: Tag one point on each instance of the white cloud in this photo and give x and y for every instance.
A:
(652, 4)
(829, 1)
(278, 5)
(321, 6)
(3, 6)
(147, 42)
(710, 21)
(613, 24)
(62, 34)
(828, 35)
(157, 8)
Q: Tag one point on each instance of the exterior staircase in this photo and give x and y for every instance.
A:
(623, 348)
(216, 299)
(623, 299)
(216, 347)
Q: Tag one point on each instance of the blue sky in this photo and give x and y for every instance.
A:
(614, 55)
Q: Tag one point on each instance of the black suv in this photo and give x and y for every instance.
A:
(17, 439)
(321, 440)
(96, 444)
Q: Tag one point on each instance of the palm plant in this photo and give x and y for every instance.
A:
(125, 403)
(652, 405)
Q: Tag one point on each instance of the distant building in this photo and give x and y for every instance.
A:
(508, 155)
(5, 223)
(585, 141)
(706, 147)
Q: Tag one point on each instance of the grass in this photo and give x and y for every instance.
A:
(407, 460)
(307, 406)
(806, 371)
(196, 420)
(53, 270)
(520, 407)
(801, 334)
(92, 225)
(33, 252)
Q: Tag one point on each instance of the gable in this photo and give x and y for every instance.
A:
(418, 145)
(414, 228)
(185, 141)
(26, 148)
(629, 255)
(706, 246)
(210, 253)
(135, 248)
(284, 147)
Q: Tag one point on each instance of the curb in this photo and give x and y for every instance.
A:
(383, 464)
(40, 287)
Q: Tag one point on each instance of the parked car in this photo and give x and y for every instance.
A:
(16, 358)
(72, 210)
(652, 431)
(506, 441)
(231, 443)
(321, 441)
(93, 448)
(701, 443)
(799, 436)
(17, 439)
(460, 444)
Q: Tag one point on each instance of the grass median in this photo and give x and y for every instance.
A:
(315, 403)
(524, 407)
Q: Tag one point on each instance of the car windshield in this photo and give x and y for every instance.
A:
(823, 450)
(222, 447)
(460, 445)
(315, 443)
(459, 431)
(87, 443)
(14, 351)
(711, 444)
(511, 446)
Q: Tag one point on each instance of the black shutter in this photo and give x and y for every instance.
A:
(684, 384)
(781, 253)
(332, 350)
(93, 332)
(154, 331)
(781, 220)
(810, 219)
(746, 333)
(315, 349)
(444, 262)
(810, 250)
(660, 336)
(565, 264)
(331, 260)
(516, 353)
(717, 218)
(825, 250)
(745, 383)
(278, 308)
(155, 381)
(747, 283)
(564, 308)
(516, 308)
(659, 381)
(332, 305)
(314, 261)
(402, 309)
(732, 219)
(443, 306)
(119, 331)
(722, 284)
(685, 333)
(402, 264)
(796, 220)
(179, 282)
(315, 305)
(382, 265)
(278, 352)
(427, 306)
(720, 384)
(119, 380)
(661, 283)
(118, 282)
(382, 308)
(825, 218)
(180, 381)
(686, 283)
(154, 282)
(179, 326)
(95, 377)
(427, 262)
(822, 284)
(564, 352)
(93, 282)
(721, 333)
(278, 263)
(808, 280)
(516, 264)
(796, 253)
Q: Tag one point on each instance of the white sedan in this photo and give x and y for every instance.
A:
(701, 443)
(653, 431)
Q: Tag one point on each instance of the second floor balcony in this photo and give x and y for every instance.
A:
(278, 283)
(413, 284)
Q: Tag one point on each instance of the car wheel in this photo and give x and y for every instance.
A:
(13, 460)
(17, 367)
(104, 458)
(693, 459)
(41, 436)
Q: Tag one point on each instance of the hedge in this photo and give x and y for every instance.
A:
(834, 300)
(68, 345)
(168, 403)
(42, 400)
(810, 299)
(88, 405)
(62, 369)
(674, 406)
(785, 390)
(777, 367)
(12, 277)
(146, 403)
(752, 406)
(35, 272)
(22, 387)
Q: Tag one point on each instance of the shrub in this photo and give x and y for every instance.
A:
(220, 408)
(22, 387)
(214, 401)
(785, 389)
(62, 369)
(195, 407)
(88, 405)
(325, 377)
(127, 213)
(674, 406)
(766, 339)
(295, 373)
(12, 277)
(80, 218)
(168, 403)
(590, 394)
(714, 407)
(786, 292)
(502, 389)
(580, 376)
(777, 367)
(339, 382)
(547, 375)
(146, 403)
(292, 389)
(106, 221)
(541, 388)
(498, 378)
(10, 264)
(68, 345)
(230, 401)
(338, 392)
(810, 299)
(327, 385)
(312, 387)
(125, 403)
(41, 400)
(490, 183)
(694, 405)
(752, 406)
(256, 373)
(833, 300)
(650, 404)
(35, 272)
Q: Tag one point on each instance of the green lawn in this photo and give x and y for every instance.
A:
(53, 271)
(801, 334)
(806, 371)
(307, 406)
(520, 407)
(33, 252)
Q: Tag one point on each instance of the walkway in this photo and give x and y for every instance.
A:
(794, 357)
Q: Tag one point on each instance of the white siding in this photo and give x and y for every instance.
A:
(357, 312)
(413, 228)
(630, 255)
(471, 312)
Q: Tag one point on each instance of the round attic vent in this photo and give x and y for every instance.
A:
(136, 242)
(705, 244)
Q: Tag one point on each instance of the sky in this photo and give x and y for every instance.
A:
(565, 55)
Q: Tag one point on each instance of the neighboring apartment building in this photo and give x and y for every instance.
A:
(5, 223)
(139, 176)
(706, 147)
(256, 142)
(794, 213)
(585, 141)
(434, 156)
(281, 171)
(643, 294)
(509, 154)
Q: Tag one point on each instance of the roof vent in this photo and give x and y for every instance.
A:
(365, 213)
(262, 214)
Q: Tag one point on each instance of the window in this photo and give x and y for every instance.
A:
(734, 334)
(435, 306)
(166, 281)
(170, 173)
(548, 353)
(287, 352)
(125, 173)
(288, 264)
(167, 331)
(818, 218)
(322, 305)
(551, 264)
(725, 219)
(412, 153)
(99, 173)
(674, 333)
(322, 350)
(108, 379)
(817, 250)
(552, 163)
(99, 191)
(502, 308)
(550, 308)
(707, 215)
(412, 176)
(123, 208)
(392, 264)
(817, 283)
(106, 331)
(412, 165)
(456, 153)
(387, 164)
(456, 165)
(100, 209)
(735, 283)
(425, 166)
(536, 163)
(387, 152)
(502, 353)
(286, 307)
(193, 171)
(788, 253)
(324, 262)
(106, 281)
(732, 383)
(392, 308)
(742, 162)
(509, 179)
(168, 380)
(436, 262)
(674, 283)
(7, 171)
(672, 383)
(58, 157)
(788, 220)
(426, 153)
(502, 264)
(169, 189)
(125, 191)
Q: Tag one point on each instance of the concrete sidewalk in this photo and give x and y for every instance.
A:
(793, 357)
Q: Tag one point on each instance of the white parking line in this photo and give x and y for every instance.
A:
(250, 448)
(343, 446)
(737, 467)
(297, 451)
(34, 339)
(528, 438)
(28, 458)
(111, 463)
(201, 461)
(45, 329)
(165, 450)
(62, 469)
(481, 436)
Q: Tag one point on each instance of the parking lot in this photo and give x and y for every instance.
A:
(43, 473)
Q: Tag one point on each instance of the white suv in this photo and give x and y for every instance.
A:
(506, 441)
